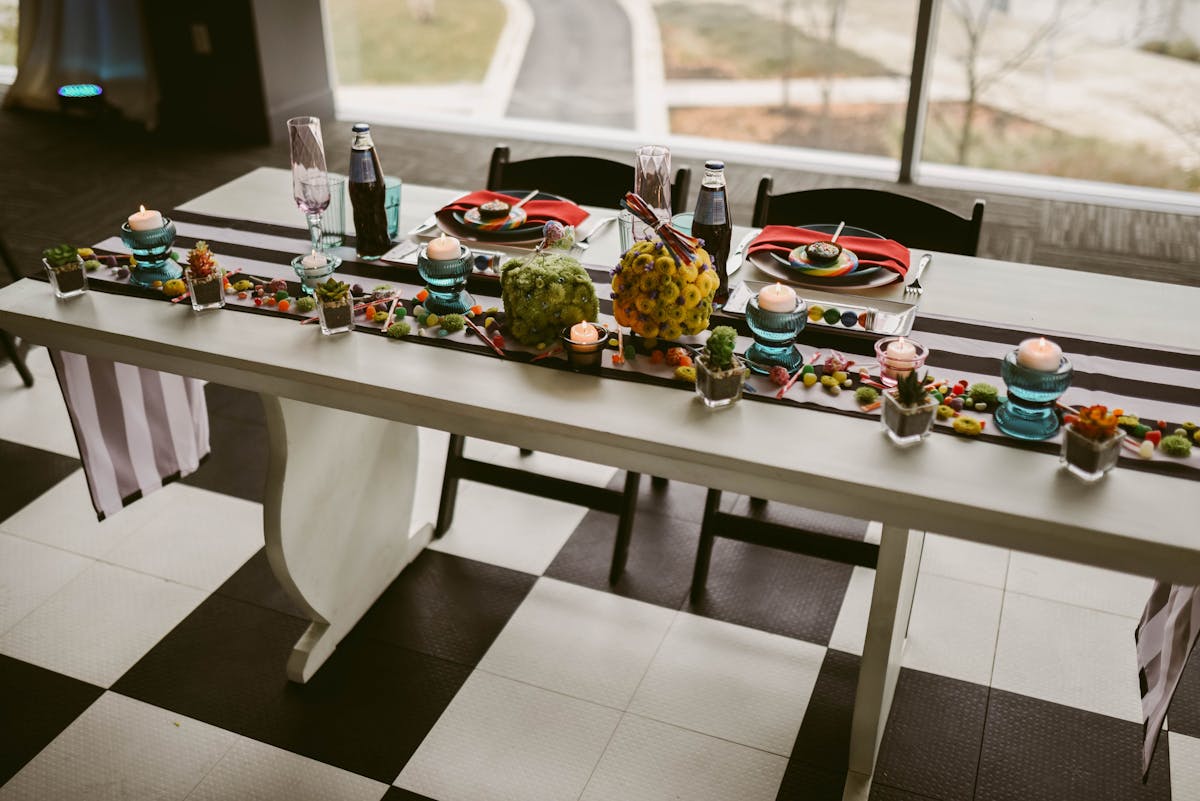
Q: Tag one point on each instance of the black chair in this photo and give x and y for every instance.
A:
(905, 219)
(592, 182)
(587, 180)
(11, 349)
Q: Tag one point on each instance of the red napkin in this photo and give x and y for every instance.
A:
(783, 239)
(537, 211)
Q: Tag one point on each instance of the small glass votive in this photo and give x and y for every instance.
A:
(391, 204)
(775, 335)
(1028, 411)
(446, 281)
(897, 357)
(585, 355)
(68, 280)
(152, 253)
(206, 291)
(1089, 459)
(333, 219)
(625, 228)
(315, 273)
(336, 317)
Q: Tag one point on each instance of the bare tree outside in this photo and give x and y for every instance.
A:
(819, 19)
(976, 18)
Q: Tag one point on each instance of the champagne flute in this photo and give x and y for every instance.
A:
(310, 182)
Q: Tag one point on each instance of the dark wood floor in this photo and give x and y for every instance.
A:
(69, 179)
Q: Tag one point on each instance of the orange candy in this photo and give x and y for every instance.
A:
(422, 295)
(284, 305)
(270, 301)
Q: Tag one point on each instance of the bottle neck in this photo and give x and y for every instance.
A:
(362, 141)
(714, 179)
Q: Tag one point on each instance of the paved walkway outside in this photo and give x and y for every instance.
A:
(578, 65)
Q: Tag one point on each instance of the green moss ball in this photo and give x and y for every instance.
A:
(984, 393)
(866, 395)
(1176, 445)
(398, 330)
(453, 322)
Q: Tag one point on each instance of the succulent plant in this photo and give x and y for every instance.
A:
(719, 348)
(201, 262)
(910, 390)
(332, 291)
(61, 255)
(544, 294)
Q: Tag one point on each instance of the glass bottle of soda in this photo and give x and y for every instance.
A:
(713, 223)
(367, 196)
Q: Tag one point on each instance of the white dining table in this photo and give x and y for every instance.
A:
(343, 414)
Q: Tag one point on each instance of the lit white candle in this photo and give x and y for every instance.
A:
(777, 298)
(314, 261)
(444, 248)
(899, 358)
(1039, 354)
(584, 333)
(145, 219)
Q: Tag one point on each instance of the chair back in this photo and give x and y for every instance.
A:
(906, 219)
(587, 180)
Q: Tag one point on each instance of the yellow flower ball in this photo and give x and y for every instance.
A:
(668, 291)
(648, 282)
(645, 304)
(708, 281)
(691, 296)
(688, 273)
(671, 330)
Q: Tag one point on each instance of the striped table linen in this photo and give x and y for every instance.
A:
(137, 429)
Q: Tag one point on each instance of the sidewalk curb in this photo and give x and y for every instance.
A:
(649, 83)
(507, 58)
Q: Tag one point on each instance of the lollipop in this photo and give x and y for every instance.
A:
(552, 231)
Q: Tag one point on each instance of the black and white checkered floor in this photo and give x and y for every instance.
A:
(142, 658)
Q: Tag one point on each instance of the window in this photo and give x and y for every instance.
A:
(1093, 89)
(8, 33)
(829, 74)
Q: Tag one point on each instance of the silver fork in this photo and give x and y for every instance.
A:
(915, 288)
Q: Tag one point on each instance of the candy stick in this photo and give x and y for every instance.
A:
(791, 381)
(391, 311)
(871, 383)
(555, 350)
(479, 333)
(870, 407)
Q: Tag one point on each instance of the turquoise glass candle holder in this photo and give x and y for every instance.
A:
(1029, 410)
(775, 337)
(152, 253)
(446, 281)
(311, 276)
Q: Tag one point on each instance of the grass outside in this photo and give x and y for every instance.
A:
(726, 41)
(384, 42)
(1001, 141)
(8, 32)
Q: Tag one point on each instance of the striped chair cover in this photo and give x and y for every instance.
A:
(1165, 638)
(137, 429)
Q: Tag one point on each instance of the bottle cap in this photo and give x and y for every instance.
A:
(713, 164)
(361, 127)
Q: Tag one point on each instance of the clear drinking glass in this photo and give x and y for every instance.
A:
(391, 204)
(652, 182)
(333, 220)
(310, 182)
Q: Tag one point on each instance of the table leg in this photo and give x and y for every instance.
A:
(887, 625)
(337, 516)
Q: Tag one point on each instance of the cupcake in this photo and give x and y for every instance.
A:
(822, 252)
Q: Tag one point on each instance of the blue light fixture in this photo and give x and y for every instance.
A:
(72, 91)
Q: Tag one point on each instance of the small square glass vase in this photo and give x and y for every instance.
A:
(207, 292)
(907, 425)
(1089, 459)
(336, 317)
(68, 280)
(719, 388)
